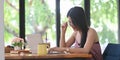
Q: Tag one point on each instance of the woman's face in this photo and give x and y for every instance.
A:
(71, 23)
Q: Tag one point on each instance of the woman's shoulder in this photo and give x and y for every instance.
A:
(93, 33)
(92, 30)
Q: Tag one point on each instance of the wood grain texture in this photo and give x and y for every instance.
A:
(9, 56)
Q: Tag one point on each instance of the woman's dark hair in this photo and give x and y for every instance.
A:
(78, 18)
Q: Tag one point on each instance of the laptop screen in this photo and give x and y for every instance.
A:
(33, 40)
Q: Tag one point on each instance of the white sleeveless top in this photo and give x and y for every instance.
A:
(77, 39)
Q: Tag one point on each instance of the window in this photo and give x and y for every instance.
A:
(11, 20)
(40, 18)
(104, 20)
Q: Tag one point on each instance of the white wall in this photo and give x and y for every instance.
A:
(1, 29)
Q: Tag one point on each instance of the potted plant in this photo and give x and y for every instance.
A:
(17, 43)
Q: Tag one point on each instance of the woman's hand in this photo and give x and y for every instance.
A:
(64, 27)
(58, 49)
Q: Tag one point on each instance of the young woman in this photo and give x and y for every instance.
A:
(85, 38)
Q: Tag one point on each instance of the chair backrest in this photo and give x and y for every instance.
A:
(112, 52)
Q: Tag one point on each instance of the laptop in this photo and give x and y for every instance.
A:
(33, 40)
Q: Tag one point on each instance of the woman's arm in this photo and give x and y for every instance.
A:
(70, 41)
(91, 39)
(62, 35)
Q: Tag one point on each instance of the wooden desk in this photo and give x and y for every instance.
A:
(9, 56)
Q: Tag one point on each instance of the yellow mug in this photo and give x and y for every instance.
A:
(42, 48)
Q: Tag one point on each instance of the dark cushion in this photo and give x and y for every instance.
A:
(112, 52)
(112, 58)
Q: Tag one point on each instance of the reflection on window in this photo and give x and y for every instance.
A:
(65, 5)
(104, 20)
(11, 20)
(40, 18)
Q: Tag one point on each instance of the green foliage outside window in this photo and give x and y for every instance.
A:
(11, 20)
(40, 18)
(104, 20)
